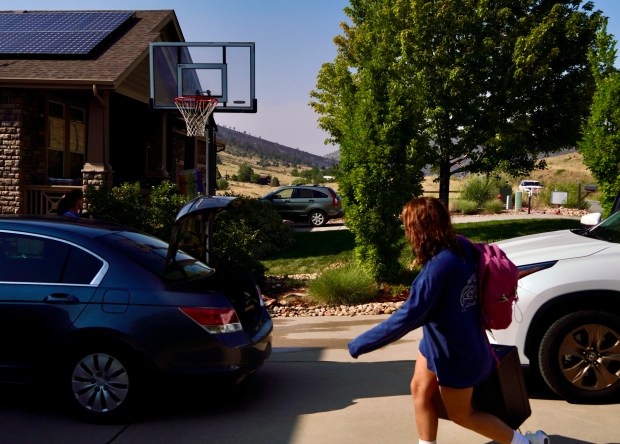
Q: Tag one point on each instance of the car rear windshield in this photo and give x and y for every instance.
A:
(152, 254)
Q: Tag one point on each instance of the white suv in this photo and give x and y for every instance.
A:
(530, 186)
(567, 319)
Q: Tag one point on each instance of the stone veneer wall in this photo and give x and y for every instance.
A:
(95, 176)
(22, 150)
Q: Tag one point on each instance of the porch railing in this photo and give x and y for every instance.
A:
(43, 199)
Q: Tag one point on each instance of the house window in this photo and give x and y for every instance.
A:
(66, 141)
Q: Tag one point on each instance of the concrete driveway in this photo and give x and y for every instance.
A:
(310, 392)
(343, 400)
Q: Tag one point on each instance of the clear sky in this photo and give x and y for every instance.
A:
(293, 39)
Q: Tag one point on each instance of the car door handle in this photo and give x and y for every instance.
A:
(61, 298)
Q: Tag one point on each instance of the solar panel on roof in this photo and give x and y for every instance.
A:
(50, 33)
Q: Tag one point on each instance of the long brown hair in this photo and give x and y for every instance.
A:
(428, 227)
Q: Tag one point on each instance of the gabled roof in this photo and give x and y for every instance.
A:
(107, 69)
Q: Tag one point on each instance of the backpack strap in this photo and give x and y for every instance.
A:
(476, 253)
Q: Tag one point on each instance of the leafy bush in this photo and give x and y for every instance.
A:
(123, 204)
(494, 206)
(245, 173)
(347, 285)
(466, 206)
(221, 184)
(479, 189)
(245, 232)
(127, 204)
(164, 202)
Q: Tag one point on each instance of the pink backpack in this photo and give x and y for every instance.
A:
(498, 278)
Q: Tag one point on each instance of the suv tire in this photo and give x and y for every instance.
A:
(317, 218)
(578, 356)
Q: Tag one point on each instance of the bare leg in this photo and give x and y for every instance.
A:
(460, 411)
(423, 385)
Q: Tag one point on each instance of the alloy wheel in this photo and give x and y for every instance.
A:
(100, 383)
(589, 357)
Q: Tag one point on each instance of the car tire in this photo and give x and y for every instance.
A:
(104, 385)
(578, 356)
(317, 218)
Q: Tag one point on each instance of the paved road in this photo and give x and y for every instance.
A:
(310, 392)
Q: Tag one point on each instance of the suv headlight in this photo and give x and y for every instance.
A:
(526, 270)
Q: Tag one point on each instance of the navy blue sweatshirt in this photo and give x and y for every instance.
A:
(444, 301)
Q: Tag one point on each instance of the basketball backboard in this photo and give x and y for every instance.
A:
(223, 70)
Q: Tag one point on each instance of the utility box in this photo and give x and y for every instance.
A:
(559, 197)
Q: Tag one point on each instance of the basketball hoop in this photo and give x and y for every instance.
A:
(196, 111)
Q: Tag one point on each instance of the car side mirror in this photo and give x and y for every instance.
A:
(590, 219)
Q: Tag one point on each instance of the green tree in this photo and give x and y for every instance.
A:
(245, 173)
(369, 111)
(600, 145)
(465, 86)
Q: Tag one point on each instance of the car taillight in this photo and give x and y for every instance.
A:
(335, 200)
(214, 320)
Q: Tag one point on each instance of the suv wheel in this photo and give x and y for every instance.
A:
(579, 356)
(317, 218)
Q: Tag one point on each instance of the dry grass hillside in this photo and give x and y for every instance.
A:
(565, 168)
(230, 166)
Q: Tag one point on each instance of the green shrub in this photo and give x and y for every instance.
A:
(124, 204)
(221, 184)
(164, 202)
(479, 189)
(347, 285)
(494, 206)
(245, 173)
(466, 206)
(247, 231)
(127, 204)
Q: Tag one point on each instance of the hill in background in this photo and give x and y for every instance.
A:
(244, 145)
(275, 160)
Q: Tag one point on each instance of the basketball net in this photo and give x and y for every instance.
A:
(196, 111)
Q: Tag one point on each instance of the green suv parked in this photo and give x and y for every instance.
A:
(313, 204)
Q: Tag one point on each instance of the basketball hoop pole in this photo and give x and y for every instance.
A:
(198, 114)
(211, 156)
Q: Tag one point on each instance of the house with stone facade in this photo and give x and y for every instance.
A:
(75, 113)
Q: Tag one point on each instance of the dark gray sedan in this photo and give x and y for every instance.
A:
(100, 310)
